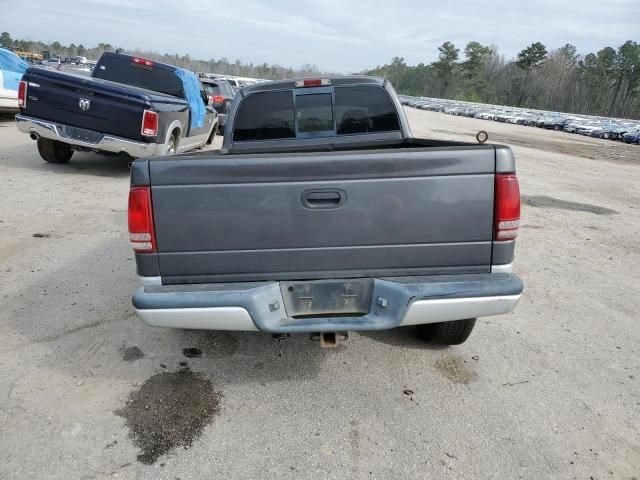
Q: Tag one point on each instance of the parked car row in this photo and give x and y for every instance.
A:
(236, 82)
(624, 130)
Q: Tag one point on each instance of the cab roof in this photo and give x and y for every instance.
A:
(291, 83)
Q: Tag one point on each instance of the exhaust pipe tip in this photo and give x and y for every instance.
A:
(34, 136)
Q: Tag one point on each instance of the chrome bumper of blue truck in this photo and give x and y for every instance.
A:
(395, 302)
(86, 138)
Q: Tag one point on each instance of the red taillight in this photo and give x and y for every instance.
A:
(217, 99)
(149, 123)
(141, 229)
(22, 94)
(142, 62)
(507, 207)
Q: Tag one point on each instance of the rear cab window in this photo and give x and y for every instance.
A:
(265, 116)
(315, 112)
(122, 69)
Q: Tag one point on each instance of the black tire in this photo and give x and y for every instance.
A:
(172, 145)
(53, 151)
(215, 131)
(447, 333)
(220, 131)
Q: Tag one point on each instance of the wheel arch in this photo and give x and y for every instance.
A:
(173, 126)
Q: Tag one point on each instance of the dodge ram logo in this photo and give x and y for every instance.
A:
(84, 104)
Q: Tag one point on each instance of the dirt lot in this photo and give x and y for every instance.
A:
(549, 391)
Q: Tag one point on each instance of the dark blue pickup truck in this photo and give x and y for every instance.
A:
(128, 105)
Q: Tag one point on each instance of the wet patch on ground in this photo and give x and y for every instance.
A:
(542, 201)
(192, 352)
(131, 354)
(169, 410)
(456, 369)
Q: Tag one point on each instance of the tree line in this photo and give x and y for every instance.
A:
(222, 65)
(605, 83)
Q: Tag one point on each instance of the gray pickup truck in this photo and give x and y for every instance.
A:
(322, 213)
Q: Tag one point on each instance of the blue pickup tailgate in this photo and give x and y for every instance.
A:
(111, 108)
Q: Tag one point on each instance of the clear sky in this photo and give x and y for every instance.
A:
(335, 35)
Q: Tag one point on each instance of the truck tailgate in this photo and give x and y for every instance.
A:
(347, 214)
(112, 109)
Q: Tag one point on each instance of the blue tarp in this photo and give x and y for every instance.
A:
(13, 67)
(192, 87)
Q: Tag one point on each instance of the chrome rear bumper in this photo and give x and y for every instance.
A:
(84, 138)
(395, 302)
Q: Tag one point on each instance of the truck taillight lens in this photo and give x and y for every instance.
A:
(313, 82)
(141, 229)
(143, 62)
(149, 124)
(217, 99)
(22, 94)
(507, 207)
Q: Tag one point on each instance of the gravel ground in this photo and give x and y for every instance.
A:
(549, 391)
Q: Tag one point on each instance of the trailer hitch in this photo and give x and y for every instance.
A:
(329, 339)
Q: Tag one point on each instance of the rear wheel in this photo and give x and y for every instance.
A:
(172, 145)
(53, 151)
(214, 132)
(447, 333)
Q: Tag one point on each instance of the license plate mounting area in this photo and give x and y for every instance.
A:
(327, 298)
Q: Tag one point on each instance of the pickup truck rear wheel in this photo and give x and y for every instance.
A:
(53, 151)
(447, 333)
(215, 131)
(172, 145)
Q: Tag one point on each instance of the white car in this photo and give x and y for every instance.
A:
(234, 83)
(8, 98)
(11, 69)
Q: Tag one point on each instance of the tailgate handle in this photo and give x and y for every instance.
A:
(323, 198)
